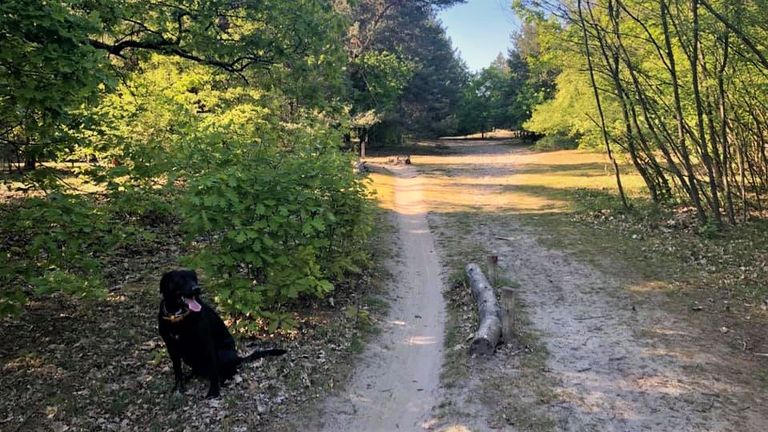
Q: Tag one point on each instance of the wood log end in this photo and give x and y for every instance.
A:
(486, 337)
(481, 347)
(472, 268)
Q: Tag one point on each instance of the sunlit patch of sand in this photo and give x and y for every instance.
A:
(382, 186)
(662, 384)
(596, 402)
(648, 287)
(116, 298)
(531, 182)
(422, 340)
(33, 364)
(28, 361)
(520, 181)
(456, 428)
(680, 356)
(495, 134)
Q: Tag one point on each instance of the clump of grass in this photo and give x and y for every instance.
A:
(457, 326)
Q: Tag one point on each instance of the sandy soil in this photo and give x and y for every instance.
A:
(616, 360)
(622, 363)
(396, 385)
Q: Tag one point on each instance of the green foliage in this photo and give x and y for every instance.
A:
(62, 242)
(573, 111)
(278, 226)
(46, 74)
(63, 231)
(485, 99)
(504, 94)
(224, 117)
(56, 280)
(180, 118)
(146, 206)
(61, 48)
(431, 99)
(54, 249)
(379, 78)
(555, 142)
(473, 111)
(674, 97)
(386, 36)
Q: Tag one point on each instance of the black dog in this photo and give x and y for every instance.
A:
(195, 333)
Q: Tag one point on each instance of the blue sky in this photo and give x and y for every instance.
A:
(480, 29)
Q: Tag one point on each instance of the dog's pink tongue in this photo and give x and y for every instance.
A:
(193, 305)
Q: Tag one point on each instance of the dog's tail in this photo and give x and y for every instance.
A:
(261, 354)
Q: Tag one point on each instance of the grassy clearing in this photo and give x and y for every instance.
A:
(491, 135)
(15, 185)
(570, 197)
(534, 183)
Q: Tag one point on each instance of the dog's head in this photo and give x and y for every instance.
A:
(180, 291)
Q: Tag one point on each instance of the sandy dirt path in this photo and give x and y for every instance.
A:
(396, 384)
(617, 361)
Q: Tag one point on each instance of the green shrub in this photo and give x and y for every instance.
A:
(146, 205)
(276, 227)
(58, 243)
(555, 142)
(53, 242)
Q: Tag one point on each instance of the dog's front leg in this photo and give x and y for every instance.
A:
(178, 386)
(175, 354)
(213, 373)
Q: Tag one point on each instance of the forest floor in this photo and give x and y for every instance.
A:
(626, 321)
(100, 365)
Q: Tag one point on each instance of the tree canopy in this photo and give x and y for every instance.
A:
(227, 117)
(175, 110)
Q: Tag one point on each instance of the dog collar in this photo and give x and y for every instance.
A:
(178, 316)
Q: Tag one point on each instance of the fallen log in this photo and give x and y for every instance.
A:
(489, 330)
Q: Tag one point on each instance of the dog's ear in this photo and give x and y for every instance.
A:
(165, 281)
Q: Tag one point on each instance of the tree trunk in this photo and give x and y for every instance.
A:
(30, 162)
(706, 159)
(682, 145)
(612, 57)
(600, 107)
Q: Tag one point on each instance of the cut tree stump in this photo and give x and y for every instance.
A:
(507, 314)
(489, 331)
(492, 264)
